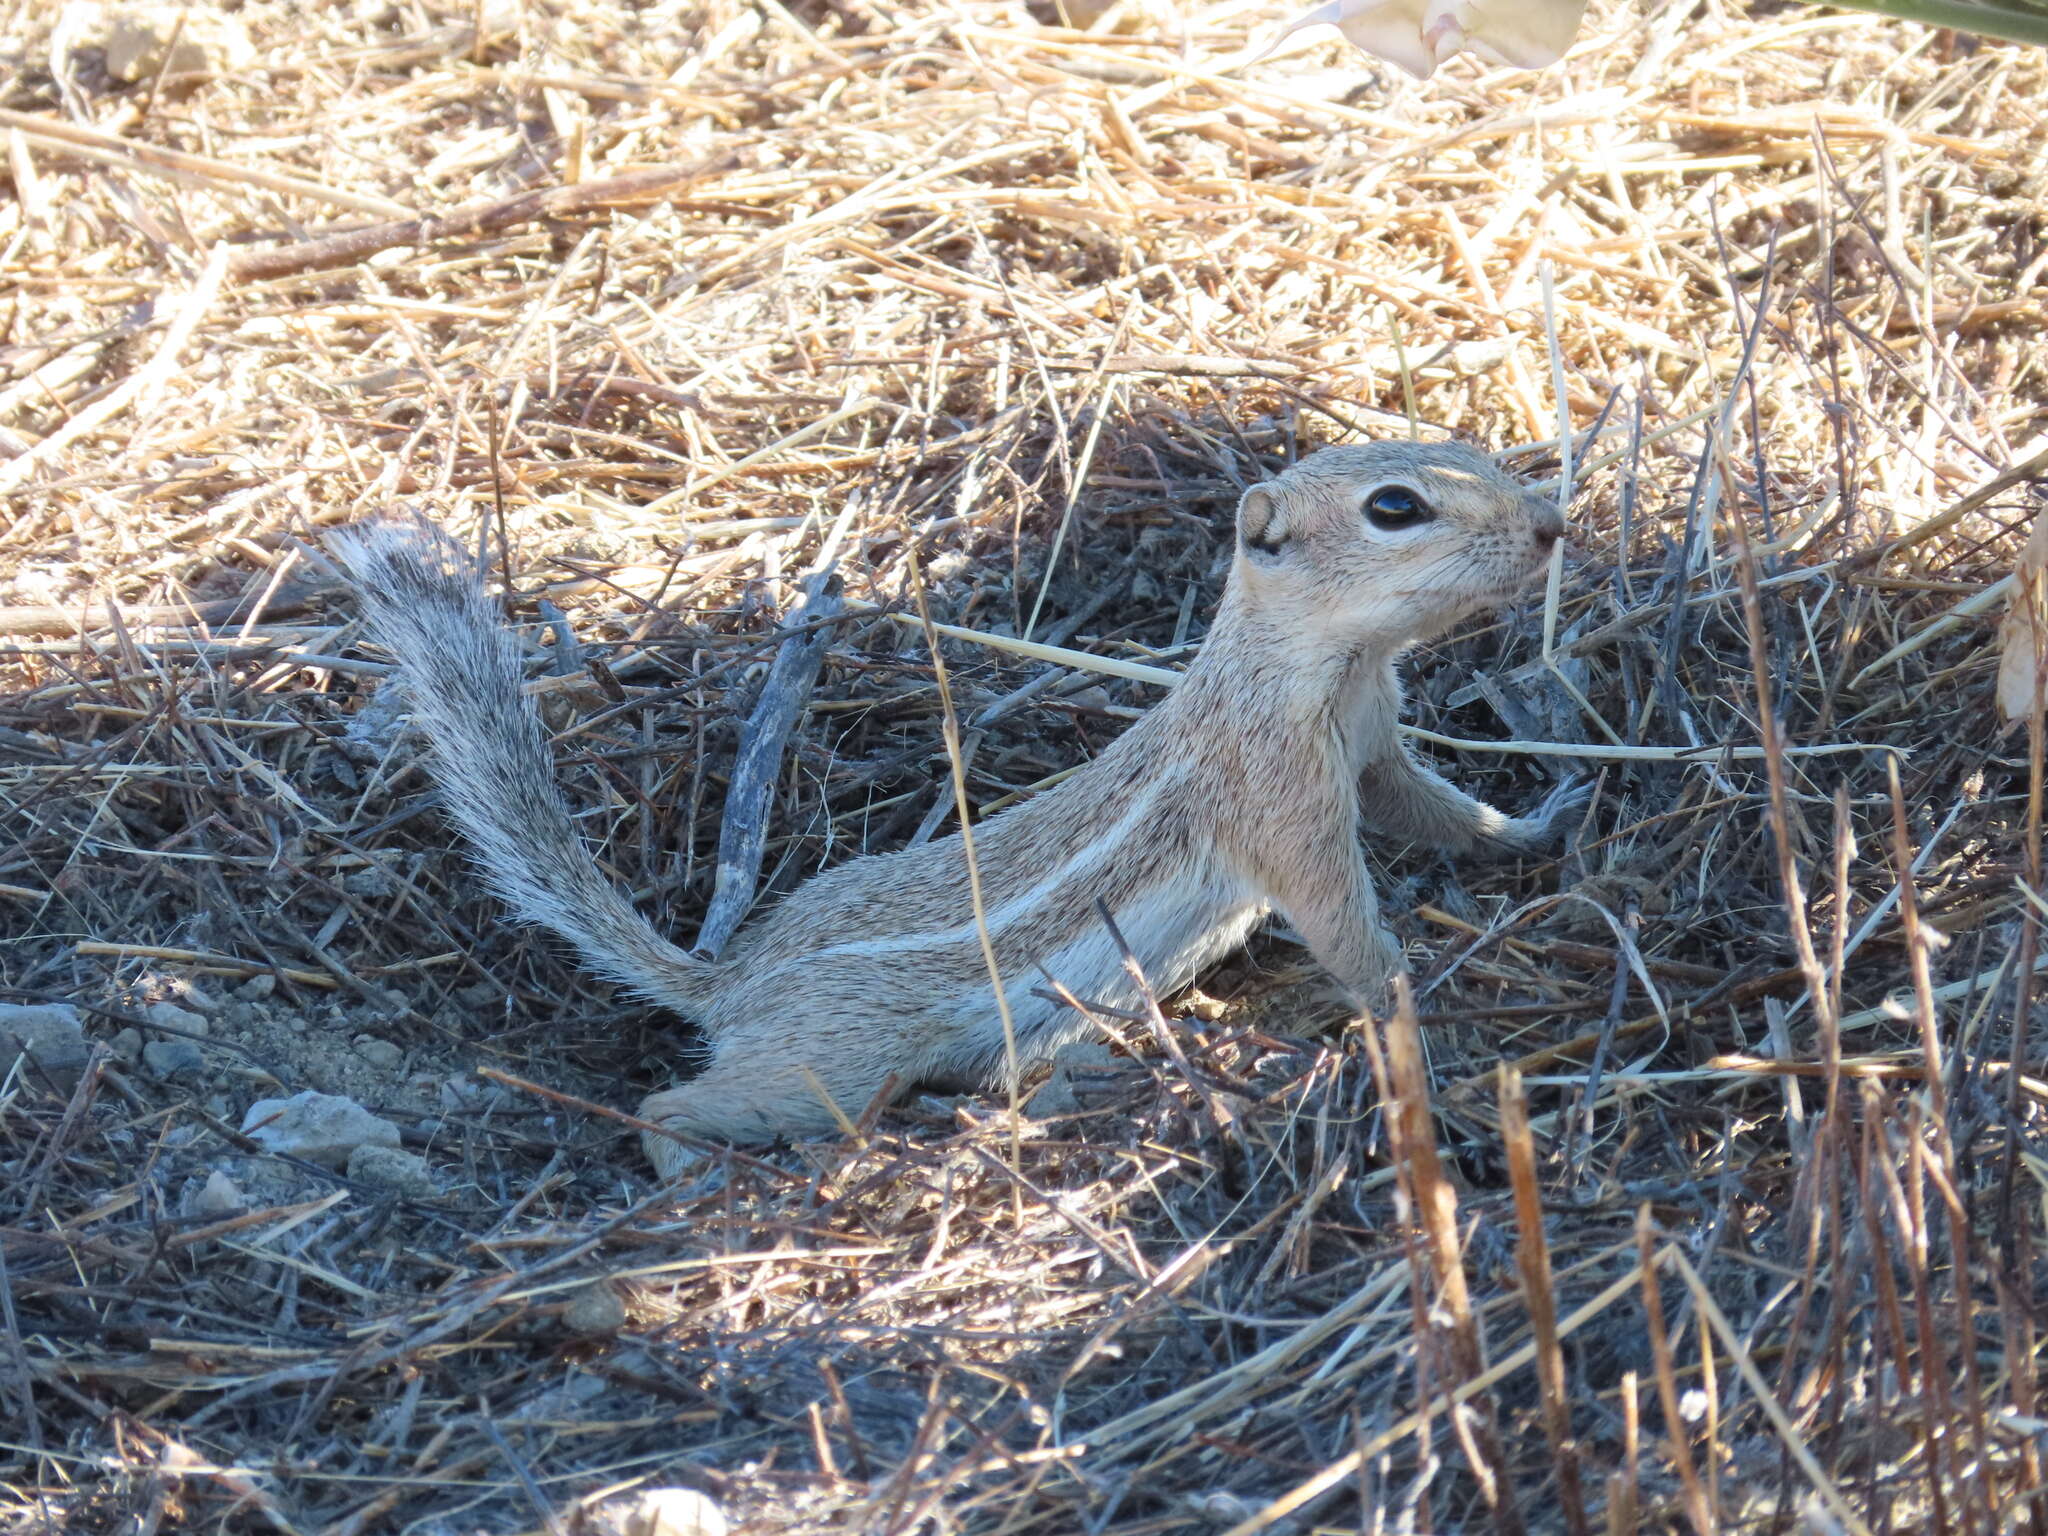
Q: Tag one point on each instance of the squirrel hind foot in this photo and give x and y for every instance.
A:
(672, 1159)
(751, 1103)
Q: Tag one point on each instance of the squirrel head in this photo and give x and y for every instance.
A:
(1383, 544)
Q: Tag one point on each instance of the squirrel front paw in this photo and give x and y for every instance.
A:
(1543, 827)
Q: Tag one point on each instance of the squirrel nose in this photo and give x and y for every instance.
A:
(1545, 521)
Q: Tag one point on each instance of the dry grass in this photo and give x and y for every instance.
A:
(1752, 1246)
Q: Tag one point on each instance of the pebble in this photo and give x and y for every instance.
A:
(171, 1016)
(196, 997)
(218, 1197)
(182, 40)
(322, 1128)
(379, 1053)
(1090, 698)
(466, 1093)
(673, 1512)
(405, 1172)
(481, 997)
(1221, 1507)
(49, 1034)
(373, 880)
(596, 1309)
(1059, 1096)
(168, 1059)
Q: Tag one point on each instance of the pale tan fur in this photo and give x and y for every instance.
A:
(1237, 796)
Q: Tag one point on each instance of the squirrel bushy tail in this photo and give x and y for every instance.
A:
(462, 671)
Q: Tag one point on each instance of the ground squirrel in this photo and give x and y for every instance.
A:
(1237, 796)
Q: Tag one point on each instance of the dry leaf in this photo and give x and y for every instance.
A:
(2023, 632)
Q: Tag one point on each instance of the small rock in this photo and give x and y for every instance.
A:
(322, 1128)
(1059, 1096)
(258, 1181)
(1083, 14)
(218, 1197)
(1090, 698)
(581, 1387)
(257, 987)
(253, 1079)
(1221, 1507)
(379, 1053)
(596, 1309)
(404, 1172)
(128, 1045)
(178, 39)
(570, 1398)
(372, 880)
(171, 1016)
(49, 1034)
(373, 728)
(673, 1512)
(466, 1093)
(168, 1059)
(196, 997)
(481, 997)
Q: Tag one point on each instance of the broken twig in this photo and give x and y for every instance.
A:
(744, 833)
(480, 218)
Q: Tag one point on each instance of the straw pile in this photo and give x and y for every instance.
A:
(669, 298)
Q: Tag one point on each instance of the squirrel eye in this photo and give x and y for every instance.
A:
(1395, 506)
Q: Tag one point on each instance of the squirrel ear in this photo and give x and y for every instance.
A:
(1260, 524)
